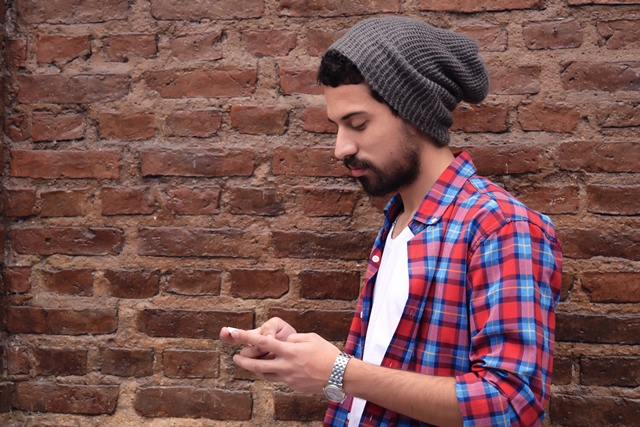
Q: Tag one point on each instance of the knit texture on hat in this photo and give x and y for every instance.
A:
(421, 71)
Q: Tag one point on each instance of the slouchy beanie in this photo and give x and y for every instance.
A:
(421, 71)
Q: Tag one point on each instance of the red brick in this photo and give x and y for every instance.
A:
(619, 34)
(269, 43)
(597, 328)
(16, 127)
(611, 287)
(185, 200)
(133, 283)
(202, 83)
(72, 12)
(320, 40)
(189, 281)
(61, 321)
(60, 361)
(314, 119)
(259, 120)
(195, 123)
(601, 76)
(258, 283)
(613, 199)
(304, 161)
(318, 284)
(191, 402)
(607, 2)
(16, 279)
(124, 47)
(255, 201)
(548, 116)
(515, 80)
(61, 48)
(20, 202)
(61, 203)
(584, 243)
(7, 391)
(206, 9)
(198, 47)
(329, 201)
(66, 399)
(318, 8)
(198, 324)
(332, 325)
(77, 282)
(589, 410)
(197, 162)
(480, 118)
(558, 34)
(65, 164)
(127, 126)
(17, 360)
(124, 362)
(348, 245)
(618, 115)
(68, 241)
(294, 80)
(569, 278)
(490, 38)
(594, 156)
(470, 6)
(16, 53)
(72, 89)
(550, 199)
(127, 201)
(610, 371)
(197, 242)
(57, 127)
(562, 371)
(506, 159)
(190, 364)
(299, 407)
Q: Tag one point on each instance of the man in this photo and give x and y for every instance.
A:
(455, 323)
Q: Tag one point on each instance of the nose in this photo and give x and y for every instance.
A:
(345, 146)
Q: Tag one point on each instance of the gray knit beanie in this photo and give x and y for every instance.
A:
(421, 71)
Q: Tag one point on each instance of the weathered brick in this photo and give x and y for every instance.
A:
(265, 120)
(601, 76)
(589, 410)
(126, 126)
(17, 360)
(77, 282)
(515, 79)
(124, 47)
(65, 164)
(597, 328)
(202, 83)
(72, 89)
(562, 370)
(618, 114)
(550, 199)
(558, 34)
(355, 7)
(611, 287)
(619, 34)
(191, 402)
(314, 119)
(606, 2)
(490, 38)
(328, 284)
(124, 362)
(133, 283)
(16, 55)
(72, 12)
(198, 324)
(321, 39)
(258, 283)
(610, 371)
(60, 48)
(269, 43)
(299, 407)
(7, 391)
(304, 161)
(471, 6)
(352, 245)
(60, 203)
(189, 281)
(17, 279)
(613, 199)
(16, 127)
(197, 162)
(190, 363)
(256, 201)
(66, 399)
(127, 201)
(20, 202)
(506, 159)
(584, 243)
(332, 201)
(61, 321)
(57, 127)
(206, 9)
(68, 241)
(332, 325)
(197, 47)
(60, 361)
(480, 118)
(548, 116)
(569, 278)
(185, 200)
(595, 156)
(195, 123)
(295, 80)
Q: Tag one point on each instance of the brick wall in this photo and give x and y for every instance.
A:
(168, 171)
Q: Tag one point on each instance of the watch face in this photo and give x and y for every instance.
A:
(334, 393)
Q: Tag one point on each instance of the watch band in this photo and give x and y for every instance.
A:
(333, 390)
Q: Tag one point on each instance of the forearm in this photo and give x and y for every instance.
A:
(426, 398)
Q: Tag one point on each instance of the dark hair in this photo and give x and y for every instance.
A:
(336, 69)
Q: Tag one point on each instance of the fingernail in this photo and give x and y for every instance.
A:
(230, 329)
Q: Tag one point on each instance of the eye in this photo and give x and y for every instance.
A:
(358, 126)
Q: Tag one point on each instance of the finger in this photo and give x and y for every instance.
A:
(260, 367)
(252, 352)
(225, 334)
(264, 344)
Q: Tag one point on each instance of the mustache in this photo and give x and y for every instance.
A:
(352, 162)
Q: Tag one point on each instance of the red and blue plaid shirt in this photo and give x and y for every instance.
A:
(484, 280)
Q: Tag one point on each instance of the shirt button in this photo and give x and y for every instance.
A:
(375, 258)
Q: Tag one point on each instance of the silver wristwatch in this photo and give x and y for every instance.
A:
(333, 390)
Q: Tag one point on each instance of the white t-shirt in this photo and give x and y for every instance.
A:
(390, 296)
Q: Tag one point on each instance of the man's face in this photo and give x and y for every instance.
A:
(374, 144)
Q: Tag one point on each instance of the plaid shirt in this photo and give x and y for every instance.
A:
(484, 279)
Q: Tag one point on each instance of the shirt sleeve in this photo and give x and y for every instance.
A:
(513, 286)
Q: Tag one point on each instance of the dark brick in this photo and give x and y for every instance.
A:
(256, 201)
(175, 84)
(77, 282)
(197, 10)
(20, 202)
(610, 371)
(597, 328)
(74, 89)
(72, 12)
(337, 245)
(593, 156)
(601, 76)
(17, 279)
(187, 200)
(61, 321)
(61, 203)
(17, 360)
(613, 199)
(299, 407)
(558, 34)
(203, 163)
(133, 283)
(562, 370)
(329, 201)
(584, 243)
(586, 411)
(258, 283)
(68, 241)
(342, 285)
(124, 362)
(190, 363)
(303, 161)
(60, 361)
(515, 79)
(611, 287)
(65, 164)
(354, 7)
(66, 399)
(187, 281)
(199, 324)
(332, 325)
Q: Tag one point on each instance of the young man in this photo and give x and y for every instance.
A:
(455, 323)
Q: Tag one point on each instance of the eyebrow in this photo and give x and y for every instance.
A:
(347, 116)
